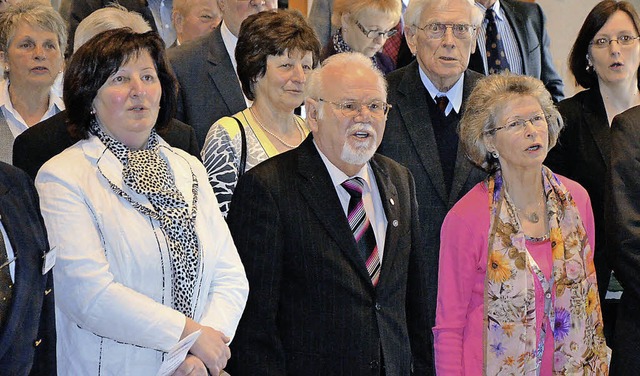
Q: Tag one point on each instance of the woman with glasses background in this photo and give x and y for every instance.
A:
(517, 294)
(364, 26)
(605, 60)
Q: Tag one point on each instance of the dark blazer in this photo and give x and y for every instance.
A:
(409, 139)
(528, 23)
(582, 154)
(41, 142)
(28, 336)
(209, 86)
(80, 9)
(312, 309)
(622, 210)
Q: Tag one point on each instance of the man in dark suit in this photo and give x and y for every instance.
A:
(27, 322)
(206, 69)
(324, 301)
(522, 29)
(41, 142)
(622, 210)
(428, 99)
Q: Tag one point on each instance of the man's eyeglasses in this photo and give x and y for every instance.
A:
(353, 108)
(519, 125)
(436, 30)
(623, 40)
(373, 34)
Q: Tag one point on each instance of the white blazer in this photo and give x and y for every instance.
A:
(112, 275)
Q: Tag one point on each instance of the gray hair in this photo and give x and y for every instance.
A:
(487, 98)
(315, 81)
(113, 16)
(413, 13)
(35, 14)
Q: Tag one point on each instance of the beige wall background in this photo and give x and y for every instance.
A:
(564, 19)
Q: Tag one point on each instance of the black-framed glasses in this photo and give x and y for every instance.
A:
(353, 108)
(436, 30)
(373, 34)
(519, 125)
(604, 42)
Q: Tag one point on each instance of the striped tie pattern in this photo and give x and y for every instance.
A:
(496, 58)
(361, 228)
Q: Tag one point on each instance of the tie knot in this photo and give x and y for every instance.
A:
(442, 102)
(490, 14)
(354, 186)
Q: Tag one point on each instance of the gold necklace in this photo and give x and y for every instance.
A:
(274, 135)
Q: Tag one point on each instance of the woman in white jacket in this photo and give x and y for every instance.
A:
(144, 255)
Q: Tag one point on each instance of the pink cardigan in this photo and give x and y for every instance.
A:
(463, 263)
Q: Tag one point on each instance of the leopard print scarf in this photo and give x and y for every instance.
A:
(147, 173)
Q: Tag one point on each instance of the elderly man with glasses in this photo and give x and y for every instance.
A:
(428, 98)
(329, 237)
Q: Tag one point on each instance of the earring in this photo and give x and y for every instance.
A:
(495, 154)
(93, 111)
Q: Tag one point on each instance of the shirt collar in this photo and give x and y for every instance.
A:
(454, 95)
(496, 8)
(230, 42)
(338, 176)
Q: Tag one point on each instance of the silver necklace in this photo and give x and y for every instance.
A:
(532, 216)
(274, 135)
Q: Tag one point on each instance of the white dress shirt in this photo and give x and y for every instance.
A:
(370, 197)
(509, 40)
(454, 95)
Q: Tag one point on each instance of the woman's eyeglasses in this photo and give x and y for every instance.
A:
(372, 34)
(519, 125)
(604, 42)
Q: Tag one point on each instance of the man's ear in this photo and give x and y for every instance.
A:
(177, 19)
(311, 106)
(411, 37)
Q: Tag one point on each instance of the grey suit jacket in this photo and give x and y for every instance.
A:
(622, 210)
(528, 23)
(209, 86)
(312, 309)
(409, 139)
(28, 337)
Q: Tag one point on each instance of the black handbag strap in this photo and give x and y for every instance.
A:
(243, 155)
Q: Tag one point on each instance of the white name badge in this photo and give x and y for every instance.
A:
(49, 260)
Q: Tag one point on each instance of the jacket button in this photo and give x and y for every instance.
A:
(378, 307)
(374, 364)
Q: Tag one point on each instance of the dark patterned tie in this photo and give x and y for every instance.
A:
(361, 228)
(6, 285)
(496, 58)
(442, 102)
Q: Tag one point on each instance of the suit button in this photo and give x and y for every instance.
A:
(378, 307)
(374, 364)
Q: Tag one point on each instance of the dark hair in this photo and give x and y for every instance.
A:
(598, 16)
(102, 56)
(271, 33)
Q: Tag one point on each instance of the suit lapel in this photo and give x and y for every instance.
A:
(595, 116)
(389, 197)
(412, 107)
(219, 69)
(463, 166)
(318, 190)
(516, 22)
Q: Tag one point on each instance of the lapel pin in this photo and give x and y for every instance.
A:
(395, 223)
(37, 343)
(392, 202)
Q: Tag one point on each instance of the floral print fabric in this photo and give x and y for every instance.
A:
(511, 343)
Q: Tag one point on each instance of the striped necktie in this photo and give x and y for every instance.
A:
(496, 58)
(361, 227)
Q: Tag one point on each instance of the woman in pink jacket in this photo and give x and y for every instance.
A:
(517, 291)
